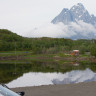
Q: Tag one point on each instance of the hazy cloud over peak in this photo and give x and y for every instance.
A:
(60, 30)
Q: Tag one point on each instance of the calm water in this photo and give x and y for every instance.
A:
(45, 73)
(38, 78)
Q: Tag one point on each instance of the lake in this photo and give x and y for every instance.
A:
(35, 73)
(39, 78)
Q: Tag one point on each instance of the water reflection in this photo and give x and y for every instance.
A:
(10, 72)
(37, 79)
(76, 77)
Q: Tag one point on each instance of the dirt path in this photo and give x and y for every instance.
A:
(81, 89)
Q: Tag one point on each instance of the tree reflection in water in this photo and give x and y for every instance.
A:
(9, 72)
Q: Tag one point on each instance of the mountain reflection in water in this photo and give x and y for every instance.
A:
(37, 79)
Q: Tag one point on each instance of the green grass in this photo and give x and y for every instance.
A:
(84, 55)
(64, 55)
(28, 56)
(41, 55)
(13, 53)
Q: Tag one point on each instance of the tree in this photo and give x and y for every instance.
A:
(93, 50)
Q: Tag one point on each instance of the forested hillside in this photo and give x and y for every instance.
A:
(10, 41)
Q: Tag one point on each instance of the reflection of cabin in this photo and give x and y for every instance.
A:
(75, 53)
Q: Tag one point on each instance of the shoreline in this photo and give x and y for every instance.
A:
(79, 89)
(71, 59)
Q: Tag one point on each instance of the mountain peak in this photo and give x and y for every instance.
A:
(76, 12)
(65, 10)
(85, 24)
(78, 6)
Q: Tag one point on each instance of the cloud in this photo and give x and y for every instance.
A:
(83, 28)
(61, 30)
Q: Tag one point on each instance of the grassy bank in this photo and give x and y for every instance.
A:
(28, 55)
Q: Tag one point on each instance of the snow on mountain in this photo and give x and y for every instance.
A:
(74, 23)
(76, 14)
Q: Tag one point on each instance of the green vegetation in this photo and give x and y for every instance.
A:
(17, 48)
(19, 55)
(93, 50)
(10, 42)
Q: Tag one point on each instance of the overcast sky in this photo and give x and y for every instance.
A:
(24, 15)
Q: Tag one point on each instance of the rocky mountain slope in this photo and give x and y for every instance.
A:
(79, 21)
(77, 12)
